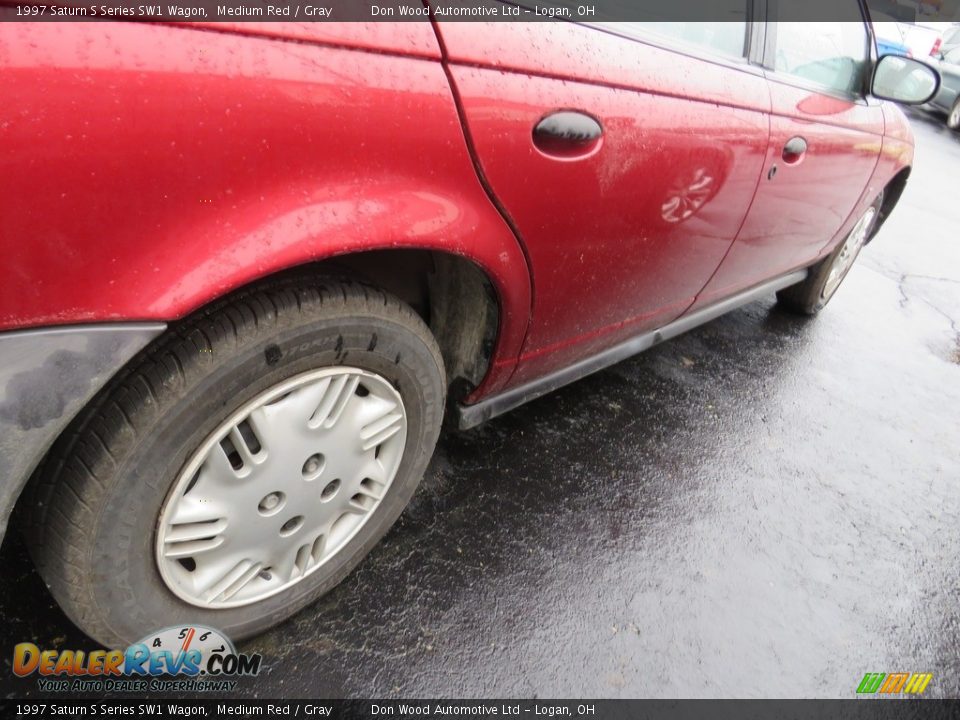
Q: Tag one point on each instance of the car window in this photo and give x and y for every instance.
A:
(888, 31)
(727, 38)
(832, 55)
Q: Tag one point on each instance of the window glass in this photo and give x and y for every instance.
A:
(682, 22)
(888, 31)
(725, 38)
(833, 55)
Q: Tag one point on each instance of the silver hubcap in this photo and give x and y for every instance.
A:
(280, 487)
(851, 248)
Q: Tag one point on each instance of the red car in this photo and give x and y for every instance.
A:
(250, 267)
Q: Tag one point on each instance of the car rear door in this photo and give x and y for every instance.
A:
(825, 139)
(621, 231)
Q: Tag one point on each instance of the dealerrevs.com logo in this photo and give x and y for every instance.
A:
(192, 658)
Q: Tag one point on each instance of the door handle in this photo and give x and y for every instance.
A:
(794, 150)
(567, 134)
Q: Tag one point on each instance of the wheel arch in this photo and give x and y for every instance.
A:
(892, 192)
(458, 299)
(462, 302)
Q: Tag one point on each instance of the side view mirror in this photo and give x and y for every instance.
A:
(904, 80)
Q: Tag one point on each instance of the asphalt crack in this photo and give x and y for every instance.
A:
(901, 280)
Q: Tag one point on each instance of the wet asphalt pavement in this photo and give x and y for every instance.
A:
(766, 506)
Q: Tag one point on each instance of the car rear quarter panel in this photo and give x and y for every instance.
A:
(147, 170)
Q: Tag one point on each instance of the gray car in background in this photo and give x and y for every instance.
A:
(947, 98)
(949, 40)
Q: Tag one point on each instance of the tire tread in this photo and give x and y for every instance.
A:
(77, 471)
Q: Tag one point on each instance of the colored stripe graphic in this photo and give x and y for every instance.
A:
(894, 683)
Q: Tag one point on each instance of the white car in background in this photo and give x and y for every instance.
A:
(922, 39)
(919, 41)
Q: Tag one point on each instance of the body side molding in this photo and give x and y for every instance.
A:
(469, 416)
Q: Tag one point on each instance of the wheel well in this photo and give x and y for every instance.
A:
(891, 196)
(452, 294)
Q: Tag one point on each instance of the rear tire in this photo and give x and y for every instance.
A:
(811, 295)
(96, 532)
